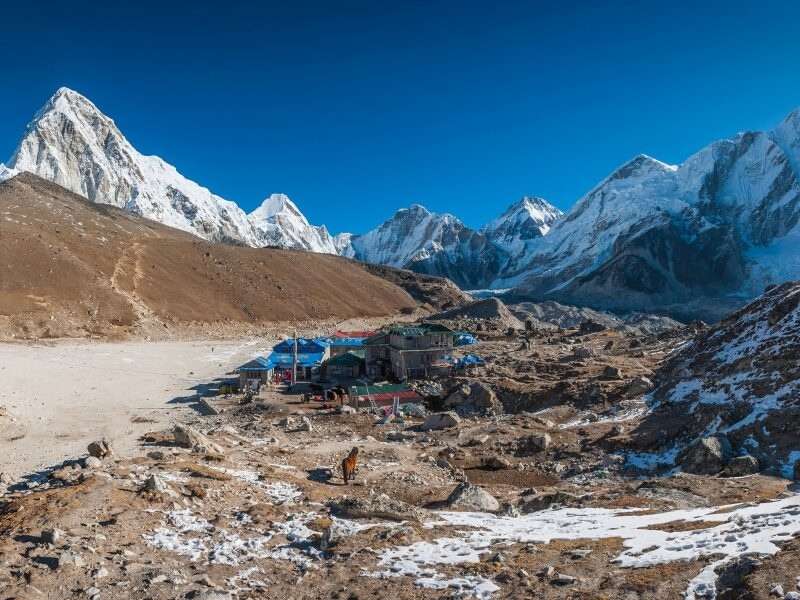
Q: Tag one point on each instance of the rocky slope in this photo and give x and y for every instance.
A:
(695, 239)
(736, 386)
(72, 268)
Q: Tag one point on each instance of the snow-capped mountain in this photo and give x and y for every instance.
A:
(280, 223)
(6, 173)
(517, 232)
(72, 143)
(695, 239)
(426, 242)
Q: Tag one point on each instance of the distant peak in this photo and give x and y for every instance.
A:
(274, 204)
(639, 164)
(415, 210)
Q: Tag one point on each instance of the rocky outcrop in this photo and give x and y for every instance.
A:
(474, 398)
(469, 497)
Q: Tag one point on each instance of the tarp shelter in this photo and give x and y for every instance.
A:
(382, 395)
(463, 338)
(470, 360)
(304, 346)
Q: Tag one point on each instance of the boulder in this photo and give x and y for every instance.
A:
(189, 437)
(542, 500)
(611, 372)
(496, 463)
(582, 352)
(475, 397)
(742, 465)
(707, 456)
(639, 385)
(100, 449)
(438, 421)
(154, 483)
(539, 441)
(590, 326)
(470, 497)
(305, 425)
(51, 536)
(92, 462)
(376, 506)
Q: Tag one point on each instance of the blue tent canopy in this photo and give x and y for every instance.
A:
(470, 360)
(304, 346)
(304, 359)
(348, 341)
(464, 339)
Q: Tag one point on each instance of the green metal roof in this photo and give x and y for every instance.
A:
(348, 359)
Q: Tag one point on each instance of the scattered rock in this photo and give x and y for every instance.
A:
(92, 462)
(188, 437)
(707, 456)
(540, 501)
(51, 536)
(155, 484)
(376, 506)
(101, 449)
(469, 497)
(496, 463)
(400, 436)
(639, 385)
(563, 579)
(474, 398)
(438, 421)
(741, 465)
(71, 559)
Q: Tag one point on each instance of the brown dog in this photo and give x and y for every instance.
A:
(349, 466)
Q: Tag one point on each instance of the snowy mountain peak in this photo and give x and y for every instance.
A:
(641, 165)
(527, 219)
(6, 173)
(274, 205)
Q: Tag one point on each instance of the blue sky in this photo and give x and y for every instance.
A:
(355, 109)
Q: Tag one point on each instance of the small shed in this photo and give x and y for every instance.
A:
(348, 364)
(255, 373)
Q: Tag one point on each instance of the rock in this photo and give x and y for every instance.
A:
(590, 326)
(474, 398)
(189, 437)
(287, 423)
(305, 425)
(100, 573)
(638, 386)
(476, 441)
(612, 372)
(376, 506)
(541, 501)
(400, 436)
(496, 463)
(154, 483)
(579, 553)
(156, 455)
(470, 497)
(563, 579)
(92, 592)
(92, 462)
(346, 410)
(412, 409)
(438, 421)
(707, 456)
(101, 449)
(71, 559)
(208, 408)
(776, 590)
(539, 441)
(792, 596)
(582, 352)
(212, 595)
(741, 465)
(51, 536)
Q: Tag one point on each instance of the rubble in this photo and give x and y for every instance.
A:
(189, 437)
(101, 449)
(473, 398)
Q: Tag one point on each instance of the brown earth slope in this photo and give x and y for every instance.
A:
(72, 268)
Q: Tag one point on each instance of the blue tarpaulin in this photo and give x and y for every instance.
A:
(470, 360)
(304, 346)
(348, 341)
(304, 359)
(464, 339)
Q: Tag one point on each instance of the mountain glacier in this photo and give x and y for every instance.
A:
(694, 239)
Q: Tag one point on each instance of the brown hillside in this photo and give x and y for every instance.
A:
(72, 268)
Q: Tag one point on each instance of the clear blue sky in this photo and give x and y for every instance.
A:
(356, 109)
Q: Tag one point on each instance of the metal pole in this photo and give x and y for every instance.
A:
(294, 360)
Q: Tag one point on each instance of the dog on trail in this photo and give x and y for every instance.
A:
(349, 466)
